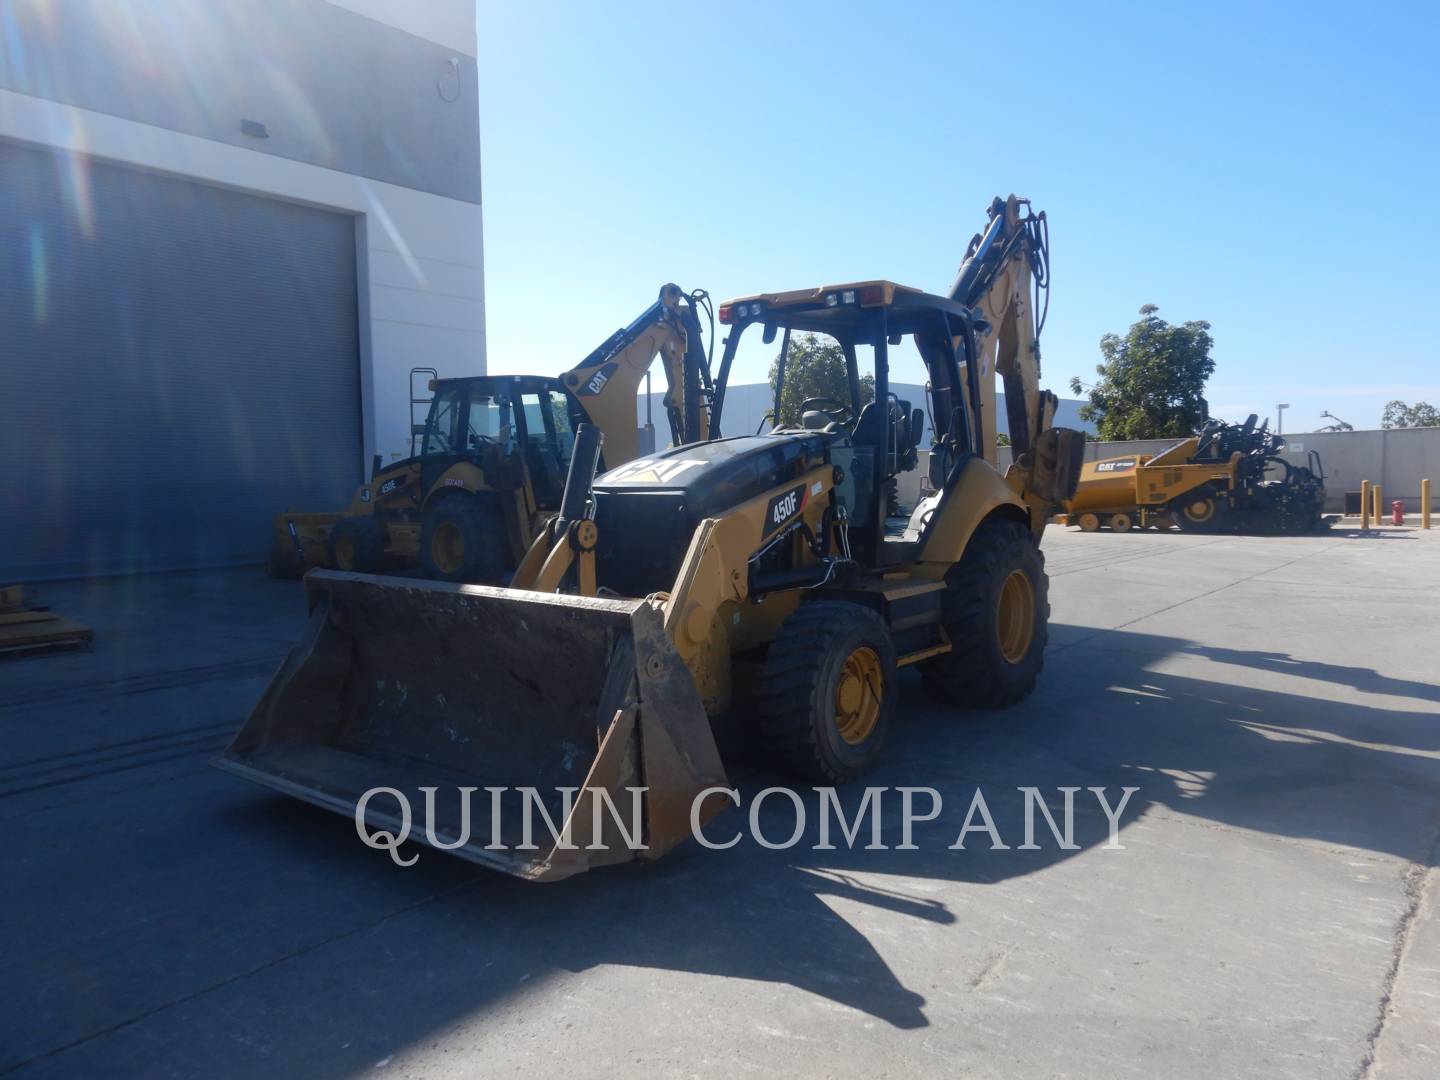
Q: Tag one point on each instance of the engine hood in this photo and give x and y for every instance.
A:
(716, 475)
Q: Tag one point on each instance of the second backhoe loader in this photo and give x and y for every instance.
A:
(758, 578)
(493, 455)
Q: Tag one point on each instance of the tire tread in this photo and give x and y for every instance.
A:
(788, 685)
(963, 675)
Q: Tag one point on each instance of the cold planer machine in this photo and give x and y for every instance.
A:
(1228, 478)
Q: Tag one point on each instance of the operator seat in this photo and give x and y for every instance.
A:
(546, 473)
(815, 420)
(870, 427)
(905, 427)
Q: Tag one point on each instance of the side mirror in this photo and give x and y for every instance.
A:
(917, 427)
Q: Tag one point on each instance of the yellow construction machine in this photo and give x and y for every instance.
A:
(493, 454)
(1229, 478)
(755, 579)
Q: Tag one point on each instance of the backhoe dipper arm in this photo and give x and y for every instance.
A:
(1005, 281)
(1004, 270)
(607, 381)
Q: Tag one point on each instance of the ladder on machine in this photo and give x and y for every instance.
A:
(417, 430)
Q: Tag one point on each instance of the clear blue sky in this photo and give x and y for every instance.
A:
(1268, 167)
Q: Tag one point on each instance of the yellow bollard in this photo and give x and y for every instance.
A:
(1425, 504)
(1364, 504)
(1379, 505)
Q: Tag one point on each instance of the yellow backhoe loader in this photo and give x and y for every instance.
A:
(750, 577)
(1228, 478)
(493, 455)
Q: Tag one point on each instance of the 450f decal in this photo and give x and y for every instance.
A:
(782, 510)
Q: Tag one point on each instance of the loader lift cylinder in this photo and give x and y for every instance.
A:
(574, 503)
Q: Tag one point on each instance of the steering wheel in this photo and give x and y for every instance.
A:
(1208, 434)
(835, 409)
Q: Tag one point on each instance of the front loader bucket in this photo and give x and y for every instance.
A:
(407, 684)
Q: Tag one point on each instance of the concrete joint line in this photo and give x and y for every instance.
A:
(1419, 880)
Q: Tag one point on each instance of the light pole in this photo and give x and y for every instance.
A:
(1280, 419)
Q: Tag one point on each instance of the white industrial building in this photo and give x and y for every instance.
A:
(228, 232)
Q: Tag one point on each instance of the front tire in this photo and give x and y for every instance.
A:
(357, 544)
(463, 540)
(996, 613)
(827, 693)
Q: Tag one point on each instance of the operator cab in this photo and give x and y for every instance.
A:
(872, 435)
(491, 420)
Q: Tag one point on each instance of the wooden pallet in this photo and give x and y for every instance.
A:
(26, 627)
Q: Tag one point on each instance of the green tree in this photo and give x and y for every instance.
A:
(1152, 381)
(1400, 415)
(814, 367)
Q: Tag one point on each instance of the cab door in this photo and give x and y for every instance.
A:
(547, 441)
(443, 443)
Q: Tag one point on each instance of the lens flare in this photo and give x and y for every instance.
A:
(39, 275)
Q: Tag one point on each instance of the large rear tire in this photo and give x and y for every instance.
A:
(1197, 511)
(463, 539)
(997, 613)
(358, 544)
(827, 693)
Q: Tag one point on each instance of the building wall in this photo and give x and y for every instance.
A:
(1397, 459)
(368, 107)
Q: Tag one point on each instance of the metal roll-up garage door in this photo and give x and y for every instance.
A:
(177, 363)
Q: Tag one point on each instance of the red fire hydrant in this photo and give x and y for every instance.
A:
(1397, 512)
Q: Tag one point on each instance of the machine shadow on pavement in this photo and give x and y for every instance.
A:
(1110, 712)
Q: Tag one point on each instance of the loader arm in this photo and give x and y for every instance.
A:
(607, 382)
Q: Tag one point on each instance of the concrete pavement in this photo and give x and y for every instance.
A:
(1272, 911)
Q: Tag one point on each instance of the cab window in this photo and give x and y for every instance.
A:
(548, 444)
(489, 419)
(558, 410)
(441, 429)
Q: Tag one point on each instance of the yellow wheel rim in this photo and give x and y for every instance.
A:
(858, 695)
(447, 547)
(345, 552)
(1200, 510)
(1016, 616)
(1089, 523)
(1120, 522)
